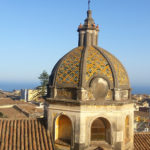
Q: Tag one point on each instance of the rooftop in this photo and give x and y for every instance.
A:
(142, 141)
(9, 101)
(12, 113)
(18, 109)
(28, 134)
(24, 134)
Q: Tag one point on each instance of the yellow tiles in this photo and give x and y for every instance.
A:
(97, 65)
(122, 76)
(69, 68)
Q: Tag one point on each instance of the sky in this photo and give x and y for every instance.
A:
(35, 34)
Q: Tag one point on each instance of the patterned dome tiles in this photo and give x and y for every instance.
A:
(121, 74)
(97, 65)
(69, 69)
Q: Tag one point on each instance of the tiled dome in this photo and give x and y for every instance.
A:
(88, 71)
(98, 62)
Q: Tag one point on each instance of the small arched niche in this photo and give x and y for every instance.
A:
(101, 130)
(63, 130)
(127, 129)
(99, 87)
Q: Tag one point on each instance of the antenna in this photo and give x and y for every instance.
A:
(89, 1)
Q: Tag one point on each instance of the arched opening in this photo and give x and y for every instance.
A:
(63, 130)
(101, 130)
(127, 129)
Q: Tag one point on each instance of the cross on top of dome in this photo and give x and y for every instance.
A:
(89, 2)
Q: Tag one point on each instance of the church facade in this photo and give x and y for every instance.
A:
(88, 103)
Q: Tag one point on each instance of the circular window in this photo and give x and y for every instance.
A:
(99, 88)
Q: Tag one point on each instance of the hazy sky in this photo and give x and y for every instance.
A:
(34, 34)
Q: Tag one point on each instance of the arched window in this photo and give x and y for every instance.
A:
(100, 130)
(63, 130)
(127, 129)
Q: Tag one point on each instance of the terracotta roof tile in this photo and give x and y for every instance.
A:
(12, 113)
(31, 134)
(142, 141)
(26, 134)
(30, 109)
(2, 95)
(9, 101)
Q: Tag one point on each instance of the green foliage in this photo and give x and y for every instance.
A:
(44, 77)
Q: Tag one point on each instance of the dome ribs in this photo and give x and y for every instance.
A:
(74, 63)
(59, 73)
(110, 65)
(98, 65)
(82, 82)
(121, 74)
(80, 66)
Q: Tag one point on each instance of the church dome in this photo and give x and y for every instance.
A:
(89, 69)
(98, 62)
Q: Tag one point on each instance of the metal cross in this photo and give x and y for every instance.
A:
(89, 1)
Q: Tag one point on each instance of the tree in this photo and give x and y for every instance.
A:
(44, 77)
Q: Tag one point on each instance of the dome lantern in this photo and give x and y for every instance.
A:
(88, 33)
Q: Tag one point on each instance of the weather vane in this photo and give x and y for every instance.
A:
(89, 1)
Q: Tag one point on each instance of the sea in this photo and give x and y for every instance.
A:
(17, 86)
(136, 89)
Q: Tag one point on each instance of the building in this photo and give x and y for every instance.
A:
(30, 94)
(24, 95)
(89, 97)
(88, 104)
(12, 109)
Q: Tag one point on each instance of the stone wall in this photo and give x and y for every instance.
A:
(82, 118)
